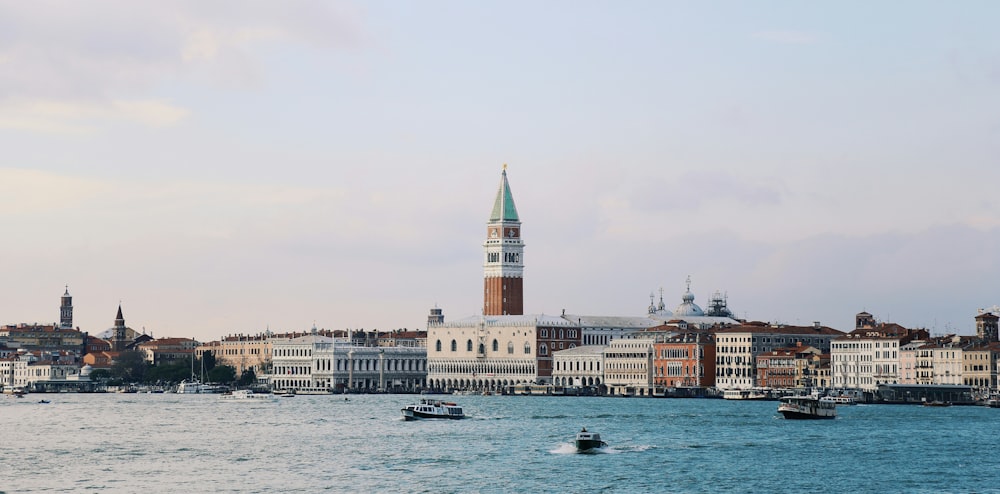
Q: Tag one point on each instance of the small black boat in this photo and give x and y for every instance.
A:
(587, 442)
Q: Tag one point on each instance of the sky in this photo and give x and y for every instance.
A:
(229, 167)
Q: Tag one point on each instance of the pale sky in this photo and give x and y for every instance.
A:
(225, 167)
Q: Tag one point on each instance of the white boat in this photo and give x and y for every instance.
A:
(247, 395)
(840, 400)
(588, 442)
(744, 394)
(190, 387)
(432, 409)
(806, 407)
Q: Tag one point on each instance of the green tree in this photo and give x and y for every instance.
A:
(208, 359)
(100, 375)
(222, 374)
(130, 366)
(248, 378)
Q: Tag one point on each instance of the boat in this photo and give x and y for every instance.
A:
(247, 395)
(286, 394)
(44, 402)
(432, 409)
(806, 407)
(588, 442)
(744, 394)
(993, 403)
(196, 387)
(840, 400)
(937, 403)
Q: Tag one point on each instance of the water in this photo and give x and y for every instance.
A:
(153, 443)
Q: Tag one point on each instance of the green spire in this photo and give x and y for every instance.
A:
(503, 207)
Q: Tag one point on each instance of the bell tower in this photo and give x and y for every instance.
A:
(503, 269)
(66, 310)
(120, 339)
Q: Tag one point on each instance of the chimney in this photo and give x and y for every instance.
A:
(816, 325)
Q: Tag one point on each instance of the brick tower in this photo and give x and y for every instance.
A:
(503, 284)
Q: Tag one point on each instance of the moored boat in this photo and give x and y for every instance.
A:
(432, 409)
(588, 442)
(806, 407)
(937, 403)
(247, 395)
(840, 400)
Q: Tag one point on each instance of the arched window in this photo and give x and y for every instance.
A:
(438, 345)
(496, 346)
(454, 346)
(468, 346)
(542, 349)
(482, 348)
(527, 348)
(510, 347)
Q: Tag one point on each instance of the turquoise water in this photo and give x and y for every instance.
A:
(187, 443)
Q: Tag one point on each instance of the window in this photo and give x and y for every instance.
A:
(482, 348)
(527, 348)
(454, 346)
(542, 349)
(438, 345)
(468, 346)
(510, 348)
(496, 346)
(544, 333)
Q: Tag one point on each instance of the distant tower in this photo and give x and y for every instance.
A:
(503, 287)
(864, 320)
(121, 335)
(66, 311)
(986, 327)
(435, 317)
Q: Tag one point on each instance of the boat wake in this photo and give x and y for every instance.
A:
(570, 449)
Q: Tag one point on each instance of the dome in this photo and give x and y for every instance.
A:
(688, 307)
(86, 370)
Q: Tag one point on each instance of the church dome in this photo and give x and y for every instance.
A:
(688, 307)
(86, 370)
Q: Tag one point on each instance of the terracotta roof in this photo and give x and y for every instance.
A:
(780, 329)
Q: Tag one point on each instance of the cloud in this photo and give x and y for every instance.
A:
(68, 117)
(787, 37)
(694, 190)
(104, 59)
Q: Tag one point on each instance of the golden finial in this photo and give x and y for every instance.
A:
(505, 167)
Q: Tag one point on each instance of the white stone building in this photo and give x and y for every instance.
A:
(321, 363)
(737, 348)
(494, 352)
(628, 366)
(580, 367)
(870, 355)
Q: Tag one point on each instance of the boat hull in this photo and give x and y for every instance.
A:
(589, 445)
(796, 415)
(414, 415)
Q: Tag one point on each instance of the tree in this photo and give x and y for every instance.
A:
(222, 374)
(248, 378)
(130, 366)
(208, 359)
(100, 375)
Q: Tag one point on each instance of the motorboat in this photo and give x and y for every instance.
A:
(937, 403)
(432, 409)
(588, 442)
(806, 407)
(840, 400)
(246, 395)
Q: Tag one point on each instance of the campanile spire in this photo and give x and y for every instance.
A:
(503, 270)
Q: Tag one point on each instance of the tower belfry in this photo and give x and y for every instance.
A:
(66, 310)
(503, 268)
